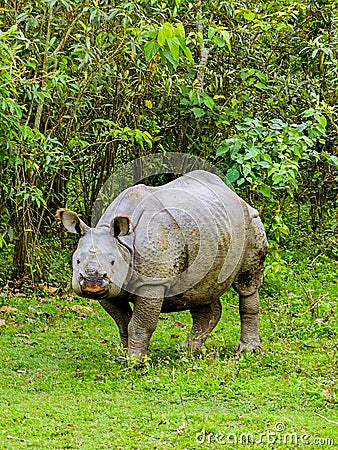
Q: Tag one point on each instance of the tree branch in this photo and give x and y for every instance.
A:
(204, 51)
(39, 108)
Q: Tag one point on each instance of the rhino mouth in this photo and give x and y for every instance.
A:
(93, 288)
(94, 291)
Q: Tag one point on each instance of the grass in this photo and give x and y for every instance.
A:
(66, 385)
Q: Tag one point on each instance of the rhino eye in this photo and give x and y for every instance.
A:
(78, 261)
(112, 262)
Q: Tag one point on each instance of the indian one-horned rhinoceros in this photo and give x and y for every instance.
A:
(176, 247)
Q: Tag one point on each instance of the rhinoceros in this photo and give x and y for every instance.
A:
(176, 247)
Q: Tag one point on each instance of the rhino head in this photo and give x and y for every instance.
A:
(101, 263)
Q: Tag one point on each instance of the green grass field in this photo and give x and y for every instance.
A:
(65, 384)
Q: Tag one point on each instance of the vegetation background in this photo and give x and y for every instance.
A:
(87, 86)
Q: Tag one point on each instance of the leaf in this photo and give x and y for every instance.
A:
(301, 127)
(188, 54)
(232, 175)
(246, 170)
(50, 289)
(249, 15)
(277, 178)
(198, 112)
(152, 33)
(179, 30)
(264, 164)
(246, 73)
(164, 33)
(265, 190)
(333, 160)
(309, 112)
(150, 50)
(219, 41)
(174, 47)
(222, 149)
(167, 55)
(211, 32)
(277, 124)
(184, 101)
(209, 102)
(226, 36)
(322, 121)
(260, 75)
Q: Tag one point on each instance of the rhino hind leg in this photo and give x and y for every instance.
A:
(247, 283)
(205, 318)
(248, 309)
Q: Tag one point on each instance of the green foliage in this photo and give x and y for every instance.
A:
(169, 41)
(267, 155)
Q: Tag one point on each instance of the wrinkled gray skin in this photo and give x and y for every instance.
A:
(171, 248)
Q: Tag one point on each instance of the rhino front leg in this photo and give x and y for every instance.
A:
(121, 312)
(205, 318)
(147, 308)
(248, 309)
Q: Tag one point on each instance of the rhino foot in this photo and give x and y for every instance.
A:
(138, 361)
(253, 346)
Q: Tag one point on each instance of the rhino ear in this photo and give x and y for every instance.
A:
(71, 221)
(121, 226)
